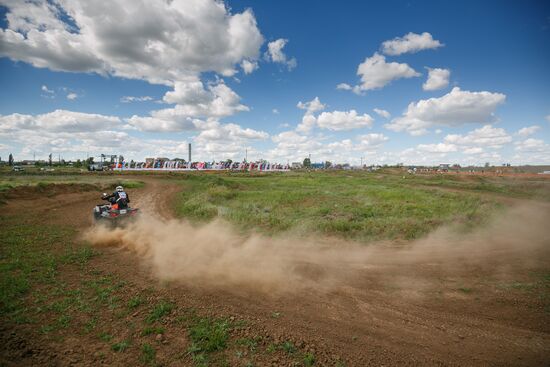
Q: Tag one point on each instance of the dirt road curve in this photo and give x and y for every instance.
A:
(424, 308)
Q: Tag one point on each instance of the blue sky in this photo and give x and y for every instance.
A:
(80, 78)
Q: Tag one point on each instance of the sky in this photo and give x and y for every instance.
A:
(418, 83)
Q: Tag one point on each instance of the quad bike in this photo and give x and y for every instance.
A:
(112, 215)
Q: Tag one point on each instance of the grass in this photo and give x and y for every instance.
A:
(134, 302)
(160, 310)
(150, 330)
(207, 336)
(309, 359)
(356, 205)
(148, 354)
(120, 346)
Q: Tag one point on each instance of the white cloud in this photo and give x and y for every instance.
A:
(382, 113)
(230, 132)
(72, 96)
(371, 141)
(473, 150)
(193, 100)
(309, 120)
(154, 124)
(410, 43)
(45, 89)
(170, 43)
(453, 109)
(486, 136)
(249, 66)
(375, 72)
(158, 41)
(343, 86)
(526, 131)
(343, 120)
(312, 106)
(275, 111)
(58, 121)
(437, 79)
(531, 145)
(276, 54)
(437, 148)
(128, 99)
(547, 118)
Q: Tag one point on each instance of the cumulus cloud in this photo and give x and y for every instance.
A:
(157, 41)
(410, 43)
(230, 132)
(382, 113)
(486, 136)
(275, 111)
(453, 109)
(170, 43)
(531, 145)
(58, 121)
(249, 66)
(547, 118)
(371, 141)
(527, 131)
(194, 101)
(72, 96)
(276, 54)
(343, 120)
(375, 72)
(437, 148)
(292, 145)
(312, 106)
(437, 79)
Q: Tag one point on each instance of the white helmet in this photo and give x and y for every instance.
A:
(119, 188)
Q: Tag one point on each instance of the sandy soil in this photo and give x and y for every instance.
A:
(441, 301)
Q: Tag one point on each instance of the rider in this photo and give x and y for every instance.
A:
(119, 199)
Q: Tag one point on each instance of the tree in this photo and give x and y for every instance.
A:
(307, 162)
(10, 160)
(328, 164)
(89, 162)
(78, 163)
(50, 159)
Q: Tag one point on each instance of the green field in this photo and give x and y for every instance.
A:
(358, 205)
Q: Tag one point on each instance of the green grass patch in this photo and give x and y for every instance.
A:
(120, 346)
(356, 205)
(148, 354)
(207, 336)
(160, 310)
(309, 359)
(135, 302)
(152, 330)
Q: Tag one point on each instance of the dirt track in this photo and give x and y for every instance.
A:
(420, 310)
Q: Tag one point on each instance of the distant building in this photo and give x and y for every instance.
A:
(296, 165)
(444, 167)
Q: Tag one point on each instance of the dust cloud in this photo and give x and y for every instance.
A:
(217, 254)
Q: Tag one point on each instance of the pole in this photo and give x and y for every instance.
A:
(246, 155)
(189, 153)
